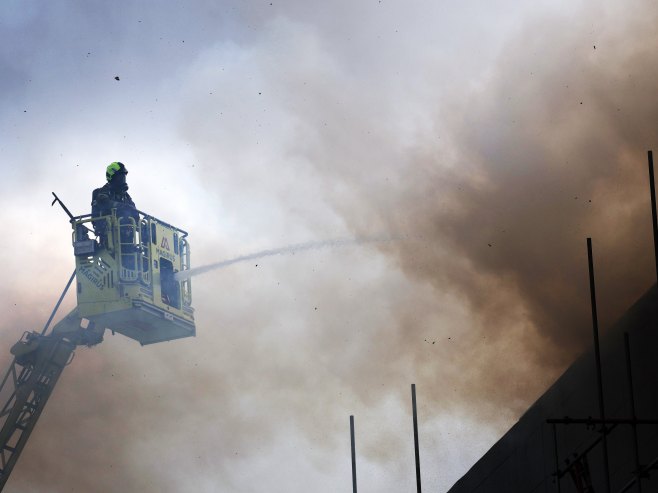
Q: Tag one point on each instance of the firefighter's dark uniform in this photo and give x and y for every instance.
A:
(103, 200)
(114, 195)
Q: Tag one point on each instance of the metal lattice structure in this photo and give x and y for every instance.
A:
(29, 381)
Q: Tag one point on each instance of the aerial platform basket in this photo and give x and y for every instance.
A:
(125, 271)
(126, 276)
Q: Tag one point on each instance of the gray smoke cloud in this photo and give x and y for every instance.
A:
(544, 150)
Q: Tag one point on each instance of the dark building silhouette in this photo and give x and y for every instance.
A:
(525, 459)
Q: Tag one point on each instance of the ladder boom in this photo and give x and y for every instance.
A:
(38, 363)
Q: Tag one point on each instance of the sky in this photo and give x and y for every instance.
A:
(486, 140)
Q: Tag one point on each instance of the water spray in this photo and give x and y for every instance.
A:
(286, 250)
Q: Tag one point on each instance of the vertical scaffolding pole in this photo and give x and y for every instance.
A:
(597, 354)
(413, 406)
(353, 455)
(636, 448)
(652, 188)
(557, 462)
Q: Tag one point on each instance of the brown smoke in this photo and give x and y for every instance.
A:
(549, 150)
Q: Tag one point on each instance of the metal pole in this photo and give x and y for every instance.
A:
(652, 187)
(597, 354)
(636, 448)
(353, 455)
(413, 405)
(557, 463)
(59, 302)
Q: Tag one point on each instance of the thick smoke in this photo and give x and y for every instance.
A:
(549, 149)
(552, 149)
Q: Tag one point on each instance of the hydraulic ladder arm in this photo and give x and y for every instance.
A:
(38, 363)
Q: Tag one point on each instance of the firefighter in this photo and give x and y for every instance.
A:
(114, 195)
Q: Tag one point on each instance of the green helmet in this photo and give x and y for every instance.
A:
(113, 168)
